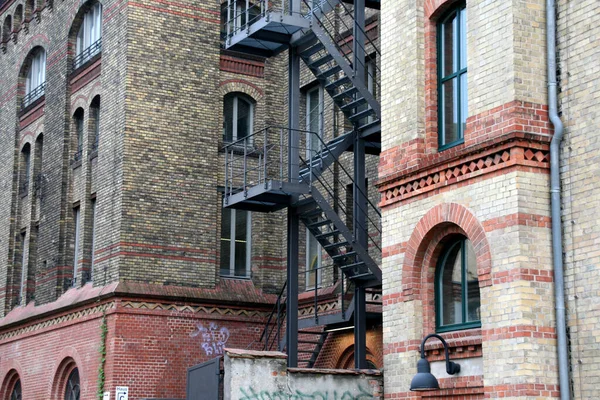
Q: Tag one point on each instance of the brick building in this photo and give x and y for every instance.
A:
(466, 199)
(117, 119)
(120, 267)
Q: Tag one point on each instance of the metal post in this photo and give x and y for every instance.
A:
(245, 167)
(359, 39)
(295, 7)
(226, 174)
(265, 158)
(293, 220)
(229, 21)
(360, 328)
(247, 15)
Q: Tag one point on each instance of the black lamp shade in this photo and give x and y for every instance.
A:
(424, 380)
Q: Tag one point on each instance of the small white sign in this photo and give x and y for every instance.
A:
(106, 396)
(122, 393)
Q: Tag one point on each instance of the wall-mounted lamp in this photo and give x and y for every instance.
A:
(424, 379)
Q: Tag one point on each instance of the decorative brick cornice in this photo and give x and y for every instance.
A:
(187, 308)
(513, 150)
(66, 317)
(240, 65)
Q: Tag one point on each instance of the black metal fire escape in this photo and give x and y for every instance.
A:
(267, 171)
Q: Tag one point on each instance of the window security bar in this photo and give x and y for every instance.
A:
(33, 95)
(87, 54)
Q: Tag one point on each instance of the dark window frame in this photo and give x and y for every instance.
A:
(455, 12)
(439, 298)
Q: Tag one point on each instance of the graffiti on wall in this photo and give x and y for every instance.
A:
(213, 338)
(360, 393)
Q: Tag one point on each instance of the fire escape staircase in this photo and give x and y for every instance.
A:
(260, 181)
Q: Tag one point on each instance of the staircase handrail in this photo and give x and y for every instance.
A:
(276, 309)
(315, 16)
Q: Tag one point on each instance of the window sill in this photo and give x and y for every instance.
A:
(93, 154)
(32, 105)
(242, 278)
(451, 145)
(75, 163)
(84, 66)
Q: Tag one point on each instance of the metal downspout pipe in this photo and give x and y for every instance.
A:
(557, 248)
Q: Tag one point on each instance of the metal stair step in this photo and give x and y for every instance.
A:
(348, 254)
(317, 47)
(335, 84)
(308, 351)
(327, 234)
(309, 341)
(319, 224)
(353, 104)
(369, 124)
(320, 61)
(350, 266)
(335, 245)
(306, 41)
(312, 213)
(329, 72)
(361, 114)
(346, 93)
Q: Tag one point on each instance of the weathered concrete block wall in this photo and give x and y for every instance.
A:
(264, 375)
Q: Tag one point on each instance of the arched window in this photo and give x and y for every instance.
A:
(238, 117)
(6, 28)
(15, 394)
(25, 170)
(78, 139)
(35, 82)
(89, 36)
(457, 287)
(72, 386)
(94, 124)
(18, 19)
(452, 77)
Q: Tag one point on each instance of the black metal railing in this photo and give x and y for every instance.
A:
(87, 54)
(33, 95)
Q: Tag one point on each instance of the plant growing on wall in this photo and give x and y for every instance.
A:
(102, 351)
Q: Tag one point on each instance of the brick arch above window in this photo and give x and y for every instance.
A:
(434, 8)
(13, 374)
(426, 242)
(67, 361)
(241, 85)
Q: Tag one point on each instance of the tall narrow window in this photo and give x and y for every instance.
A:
(93, 233)
(76, 237)
(313, 262)
(78, 120)
(238, 110)
(457, 287)
(72, 389)
(371, 83)
(95, 123)
(16, 391)
(35, 83)
(452, 78)
(89, 37)
(314, 121)
(23, 285)
(235, 243)
(25, 171)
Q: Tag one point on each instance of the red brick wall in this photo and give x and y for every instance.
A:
(149, 346)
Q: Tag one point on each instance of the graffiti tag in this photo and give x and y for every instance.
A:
(213, 338)
(360, 393)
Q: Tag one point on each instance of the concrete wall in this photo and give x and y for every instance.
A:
(263, 375)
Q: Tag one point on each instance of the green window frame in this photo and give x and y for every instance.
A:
(452, 77)
(457, 295)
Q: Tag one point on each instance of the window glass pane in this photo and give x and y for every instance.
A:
(472, 285)
(16, 392)
(451, 287)
(79, 122)
(449, 112)
(241, 221)
(463, 38)
(449, 51)
(228, 119)
(243, 118)
(76, 219)
(225, 241)
(463, 103)
(312, 261)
